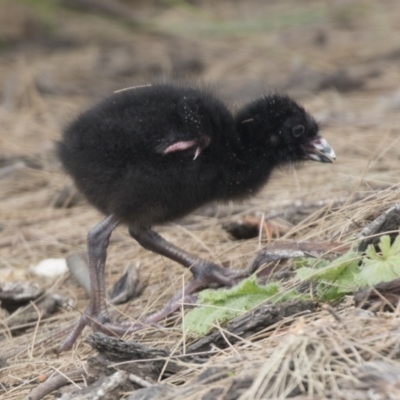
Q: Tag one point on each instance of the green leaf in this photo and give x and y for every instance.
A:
(303, 262)
(328, 293)
(335, 278)
(383, 267)
(224, 304)
(330, 271)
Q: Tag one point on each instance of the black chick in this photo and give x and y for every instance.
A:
(149, 155)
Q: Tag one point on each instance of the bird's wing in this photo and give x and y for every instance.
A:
(197, 144)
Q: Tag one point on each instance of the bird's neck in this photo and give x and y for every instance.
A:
(249, 170)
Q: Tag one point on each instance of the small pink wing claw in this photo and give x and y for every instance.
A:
(200, 145)
(180, 146)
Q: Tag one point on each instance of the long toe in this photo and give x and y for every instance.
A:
(98, 321)
(74, 334)
(208, 274)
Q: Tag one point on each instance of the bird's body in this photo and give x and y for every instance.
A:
(150, 155)
(115, 153)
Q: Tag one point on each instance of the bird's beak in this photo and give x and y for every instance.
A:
(319, 150)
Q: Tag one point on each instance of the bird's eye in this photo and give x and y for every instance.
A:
(298, 130)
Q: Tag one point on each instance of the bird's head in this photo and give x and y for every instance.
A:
(277, 126)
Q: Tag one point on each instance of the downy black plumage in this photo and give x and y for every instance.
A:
(150, 155)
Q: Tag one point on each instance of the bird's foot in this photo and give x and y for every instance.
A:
(205, 274)
(99, 322)
(102, 323)
(208, 274)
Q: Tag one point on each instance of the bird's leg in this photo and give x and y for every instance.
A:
(96, 313)
(205, 273)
